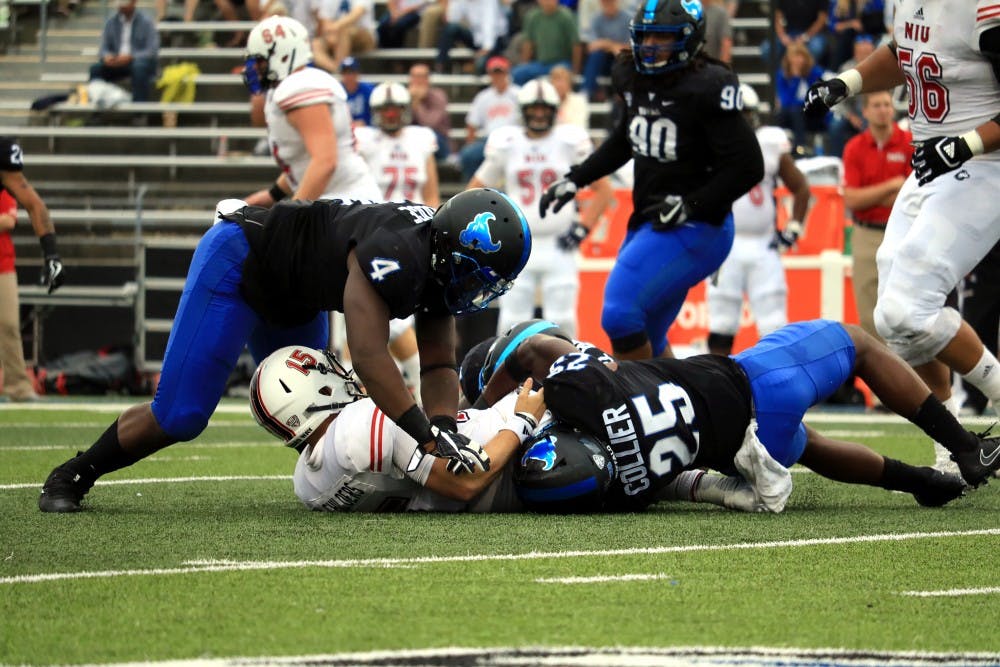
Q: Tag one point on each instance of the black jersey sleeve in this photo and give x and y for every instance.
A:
(737, 163)
(396, 268)
(616, 149)
(11, 157)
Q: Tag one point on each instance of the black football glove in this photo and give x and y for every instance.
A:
(669, 213)
(938, 155)
(824, 94)
(572, 238)
(789, 236)
(52, 269)
(561, 192)
(463, 454)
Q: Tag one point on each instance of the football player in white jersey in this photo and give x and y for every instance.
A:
(308, 122)
(754, 265)
(945, 217)
(400, 155)
(525, 161)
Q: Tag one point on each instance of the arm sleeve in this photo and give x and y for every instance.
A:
(609, 156)
(150, 38)
(738, 166)
(491, 171)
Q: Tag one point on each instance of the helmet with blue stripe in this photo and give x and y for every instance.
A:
(564, 471)
(682, 19)
(480, 243)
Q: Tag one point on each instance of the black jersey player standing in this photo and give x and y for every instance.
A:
(694, 155)
(263, 278)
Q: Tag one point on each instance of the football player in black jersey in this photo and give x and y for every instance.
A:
(13, 181)
(263, 277)
(694, 155)
(661, 416)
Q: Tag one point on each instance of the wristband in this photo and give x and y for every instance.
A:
(414, 423)
(48, 243)
(445, 423)
(522, 425)
(852, 79)
(974, 142)
(277, 194)
(424, 370)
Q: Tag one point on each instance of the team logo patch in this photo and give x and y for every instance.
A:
(599, 460)
(293, 421)
(543, 451)
(476, 235)
(692, 7)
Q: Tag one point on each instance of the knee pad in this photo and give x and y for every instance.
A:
(917, 342)
(182, 426)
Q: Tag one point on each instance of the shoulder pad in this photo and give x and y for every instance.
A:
(307, 87)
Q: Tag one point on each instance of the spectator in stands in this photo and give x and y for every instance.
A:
(479, 24)
(431, 21)
(847, 118)
(129, 47)
(400, 18)
(798, 71)
(229, 10)
(346, 27)
(798, 22)
(358, 92)
(573, 107)
(15, 189)
(492, 107)
(550, 38)
(430, 107)
(718, 31)
(876, 162)
(607, 35)
(850, 19)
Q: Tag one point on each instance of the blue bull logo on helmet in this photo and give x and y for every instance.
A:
(476, 235)
(544, 450)
(692, 7)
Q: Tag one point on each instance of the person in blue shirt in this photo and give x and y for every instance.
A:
(358, 91)
(798, 71)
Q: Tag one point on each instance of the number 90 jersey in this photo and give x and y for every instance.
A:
(525, 167)
(660, 416)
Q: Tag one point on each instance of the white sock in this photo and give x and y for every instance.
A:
(985, 376)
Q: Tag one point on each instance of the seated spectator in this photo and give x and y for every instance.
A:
(798, 22)
(347, 27)
(850, 19)
(550, 38)
(718, 31)
(573, 107)
(163, 9)
(430, 107)
(431, 21)
(132, 57)
(479, 24)
(358, 91)
(607, 35)
(847, 118)
(798, 71)
(492, 107)
(400, 18)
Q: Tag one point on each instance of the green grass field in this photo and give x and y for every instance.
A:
(203, 552)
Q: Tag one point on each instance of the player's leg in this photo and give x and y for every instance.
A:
(724, 295)
(561, 290)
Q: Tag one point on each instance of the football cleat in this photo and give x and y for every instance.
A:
(940, 489)
(978, 464)
(64, 489)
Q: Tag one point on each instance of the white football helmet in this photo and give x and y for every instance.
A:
(751, 104)
(535, 93)
(390, 102)
(276, 47)
(295, 388)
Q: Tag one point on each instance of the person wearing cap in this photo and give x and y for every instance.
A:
(129, 48)
(358, 91)
(492, 107)
(479, 24)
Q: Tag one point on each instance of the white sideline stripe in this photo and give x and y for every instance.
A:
(161, 480)
(187, 445)
(195, 566)
(953, 592)
(601, 579)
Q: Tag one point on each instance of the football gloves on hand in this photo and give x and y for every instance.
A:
(669, 213)
(824, 94)
(572, 237)
(561, 192)
(938, 155)
(52, 273)
(789, 236)
(462, 453)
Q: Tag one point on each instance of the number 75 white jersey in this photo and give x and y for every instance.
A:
(398, 163)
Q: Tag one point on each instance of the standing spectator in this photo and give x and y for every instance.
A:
(718, 31)
(430, 107)
(492, 107)
(14, 187)
(479, 24)
(347, 27)
(876, 163)
(796, 74)
(550, 38)
(608, 34)
(799, 22)
(129, 48)
(401, 17)
(358, 91)
(573, 107)
(847, 118)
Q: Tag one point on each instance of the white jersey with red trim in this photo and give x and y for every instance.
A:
(525, 167)
(753, 213)
(398, 163)
(952, 88)
(305, 87)
(366, 463)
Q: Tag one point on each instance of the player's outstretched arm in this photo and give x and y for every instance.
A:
(532, 358)
(879, 71)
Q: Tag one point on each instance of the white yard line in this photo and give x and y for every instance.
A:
(953, 592)
(602, 579)
(196, 566)
(161, 480)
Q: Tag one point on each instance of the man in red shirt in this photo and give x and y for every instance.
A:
(876, 162)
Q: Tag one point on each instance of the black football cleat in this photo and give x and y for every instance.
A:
(977, 465)
(64, 489)
(940, 488)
